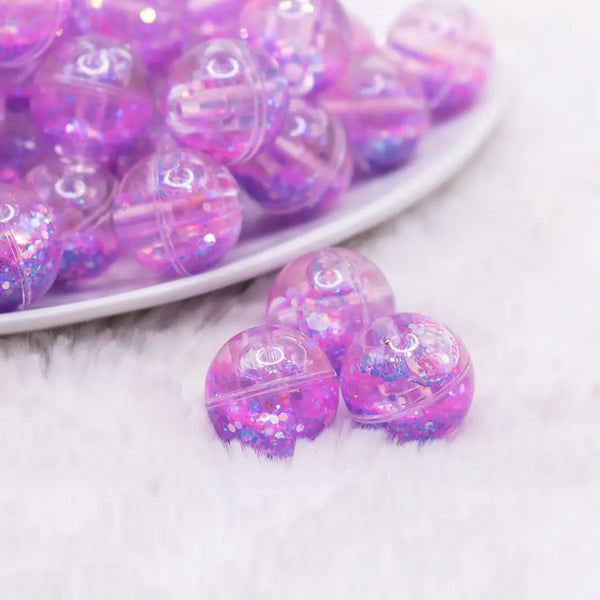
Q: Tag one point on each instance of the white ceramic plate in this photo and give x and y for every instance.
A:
(126, 287)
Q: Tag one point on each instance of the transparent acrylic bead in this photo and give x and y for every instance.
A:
(211, 19)
(448, 49)
(81, 196)
(178, 212)
(153, 28)
(410, 375)
(22, 146)
(306, 168)
(227, 99)
(384, 112)
(268, 387)
(91, 96)
(311, 39)
(30, 248)
(363, 42)
(329, 295)
(27, 29)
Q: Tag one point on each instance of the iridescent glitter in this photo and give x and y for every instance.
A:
(447, 48)
(310, 39)
(330, 295)
(410, 375)
(268, 387)
(178, 212)
(30, 248)
(81, 195)
(91, 96)
(306, 168)
(384, 111)
(227, 99)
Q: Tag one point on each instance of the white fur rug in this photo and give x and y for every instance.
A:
(113, 485)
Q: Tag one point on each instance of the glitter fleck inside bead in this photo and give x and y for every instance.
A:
(307, 167)
(91, 96)
(226, 99)
(178, 212)
(81, 195)
(330, 295)
(384, 112)
(30, 248)
(410, 375)
(268, 387)
(447, 48)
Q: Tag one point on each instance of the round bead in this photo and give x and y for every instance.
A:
(91, 96)
(28, 27)
(305, 169)
(211, 19)
(410, 375)
(330, 295)
(22, 146)
(30, 248)
(311, 39)
(384, 112)
(226, 99)
(269, 386)
(178, 212)
(153, 28)
(81, 196)
(447, 48)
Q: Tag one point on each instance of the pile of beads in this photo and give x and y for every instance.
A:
(131, 128)
(332, 312)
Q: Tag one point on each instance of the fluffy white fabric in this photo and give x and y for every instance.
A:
(113, 484)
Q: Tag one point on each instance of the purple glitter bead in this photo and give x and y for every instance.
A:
(91, 96)
(211, 19)
(153, 28)
(178, 212)
(226, 99)
(410, 375)
(305, 169)
(329, 296)
(384, 111)
(30, 248)
(311, 39)
(269, 386)
(447, 48)
(81, 196)
(22, 146)
(28, 27)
